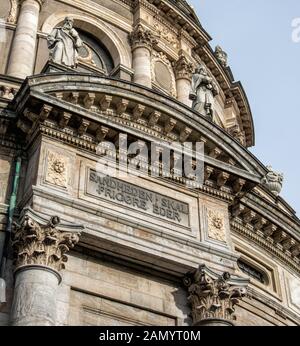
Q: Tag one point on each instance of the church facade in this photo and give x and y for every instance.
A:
(128, 195)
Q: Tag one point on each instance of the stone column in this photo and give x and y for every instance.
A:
(212, 297)
(142, 41)
(40, 248)
(22, 56)
(183, 72)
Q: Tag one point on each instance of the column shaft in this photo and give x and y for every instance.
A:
(142, 66)
(183, 91)
(22, 56)
(34, 302)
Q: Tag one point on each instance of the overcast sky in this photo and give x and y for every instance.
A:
(260, 40)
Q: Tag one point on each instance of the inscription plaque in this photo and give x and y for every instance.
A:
(137, 198)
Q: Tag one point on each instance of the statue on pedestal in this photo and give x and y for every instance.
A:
(203, 92)
(63, 44)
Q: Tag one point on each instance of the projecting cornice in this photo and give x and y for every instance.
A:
(110, 94)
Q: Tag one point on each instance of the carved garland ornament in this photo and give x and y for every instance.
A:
(45, 245)
(212, 298)
(161, 61)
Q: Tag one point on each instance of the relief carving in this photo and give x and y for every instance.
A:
(13, 13)
(216, 226)
(57, 169)
(183, 68)
(162, 73)
(165, 34)
(39, 243)
(213, 296)
(142, 37)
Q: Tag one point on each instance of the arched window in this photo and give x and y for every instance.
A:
(253, 272)
(94, 55)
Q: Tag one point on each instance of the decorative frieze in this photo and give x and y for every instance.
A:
(43, 244)
(265, 231)
(213, 296)
(165, 34)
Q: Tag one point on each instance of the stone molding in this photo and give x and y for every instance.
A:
(213, 296)
(41, 242)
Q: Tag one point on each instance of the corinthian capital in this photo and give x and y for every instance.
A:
(37, 241)
(183, 68)
(213, 296)
(141, 37)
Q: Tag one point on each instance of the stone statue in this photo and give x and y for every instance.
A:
(63, 44)
(221, 56)
(203, 92)
(273, 181)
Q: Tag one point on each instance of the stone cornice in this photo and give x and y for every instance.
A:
(53, 83)
(290, 224)
(239, 228)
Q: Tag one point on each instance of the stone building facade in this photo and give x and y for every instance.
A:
(78, 247)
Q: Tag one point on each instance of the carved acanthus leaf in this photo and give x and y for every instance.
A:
(183, 68)
(142, 37)
(212, 297)
(35, 243)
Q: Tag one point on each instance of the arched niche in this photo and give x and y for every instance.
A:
(97, 28)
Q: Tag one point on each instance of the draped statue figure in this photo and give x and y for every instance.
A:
(203, 92)
(63, 44)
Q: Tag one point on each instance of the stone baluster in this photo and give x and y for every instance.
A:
(22, 56)
(40, 248)
(142, 41)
